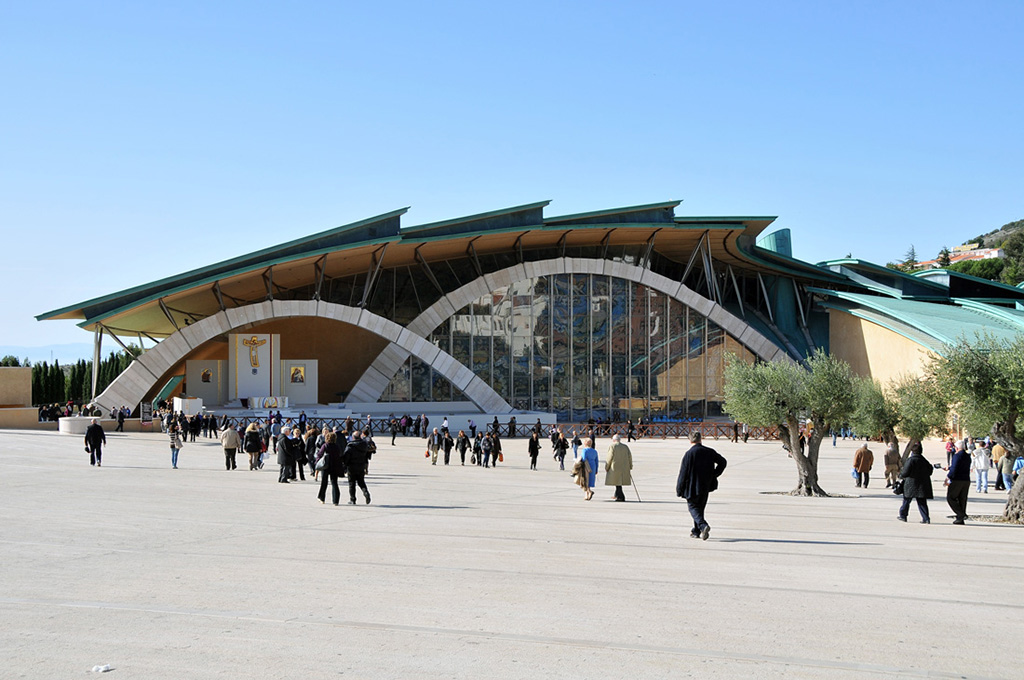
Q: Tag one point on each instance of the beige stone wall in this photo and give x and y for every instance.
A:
(23, 419)
(874, 351)
(15, 386)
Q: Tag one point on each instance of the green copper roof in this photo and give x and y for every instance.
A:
(368, 230)
(931, 324)
(650, 213)
(531, 214)
(957, 282)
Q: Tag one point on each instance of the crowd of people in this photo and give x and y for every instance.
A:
(51, 413)
(912, 479)
(346, 450)
(330, 453)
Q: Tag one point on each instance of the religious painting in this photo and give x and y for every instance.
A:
(298, 374)
(207, 375)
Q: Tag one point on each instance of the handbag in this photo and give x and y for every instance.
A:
(426, 454)
(501, 458)
(897, 487)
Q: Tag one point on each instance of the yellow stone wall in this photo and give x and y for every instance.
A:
(875, 351)
(15, 386)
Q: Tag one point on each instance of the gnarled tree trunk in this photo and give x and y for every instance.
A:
(807, 462)
(1005, 433)
(1014, 510)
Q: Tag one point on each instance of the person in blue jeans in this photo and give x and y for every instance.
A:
(175, 444)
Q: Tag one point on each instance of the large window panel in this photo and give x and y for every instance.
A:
(579, 345)
(422, 390)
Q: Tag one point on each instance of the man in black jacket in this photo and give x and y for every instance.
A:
(94, 441)
(284, 454)
(698, 477)
(958, 482)
(357, 457)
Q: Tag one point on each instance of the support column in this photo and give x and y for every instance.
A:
(97, 343)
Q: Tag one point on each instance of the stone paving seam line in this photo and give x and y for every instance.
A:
(512, 637)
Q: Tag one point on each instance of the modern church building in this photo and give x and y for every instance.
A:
(606, 315)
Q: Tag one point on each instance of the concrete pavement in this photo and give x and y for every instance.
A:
(458, 572)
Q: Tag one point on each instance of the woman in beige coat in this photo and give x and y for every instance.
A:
(618, 463)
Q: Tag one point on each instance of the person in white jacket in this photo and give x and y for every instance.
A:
(981, 461)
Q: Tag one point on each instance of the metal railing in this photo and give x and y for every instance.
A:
(708, 430)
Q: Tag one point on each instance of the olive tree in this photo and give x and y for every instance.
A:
(876, 413)
(984, 381)
(781, 393)
(922, 409)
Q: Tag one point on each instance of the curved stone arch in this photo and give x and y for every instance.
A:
(132, 385)
(369, 388)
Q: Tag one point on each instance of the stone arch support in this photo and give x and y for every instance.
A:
(132, 385)
(369, 387)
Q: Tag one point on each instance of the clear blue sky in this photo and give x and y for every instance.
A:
(140, 140)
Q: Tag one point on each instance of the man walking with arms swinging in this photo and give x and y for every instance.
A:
(698, 477)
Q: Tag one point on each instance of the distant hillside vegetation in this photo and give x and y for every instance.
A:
(997, 237)
(1009, 270)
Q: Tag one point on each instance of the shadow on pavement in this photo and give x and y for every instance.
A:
(781, 540)
(423, 507)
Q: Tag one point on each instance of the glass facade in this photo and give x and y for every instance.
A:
(582, 346)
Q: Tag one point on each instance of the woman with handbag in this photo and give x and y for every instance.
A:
(176, 445)
(328, 461)
(917, 484)
(533, 448)
(478, 452)
(310, 436)
(585, 469)
(561, 445)
(253, 445)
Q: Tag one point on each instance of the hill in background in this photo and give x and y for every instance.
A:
(1008, 269)
(996, 238)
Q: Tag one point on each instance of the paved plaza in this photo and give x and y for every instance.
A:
(463, 572)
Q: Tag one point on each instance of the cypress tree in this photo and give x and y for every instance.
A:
(37, 384)
(58, 382)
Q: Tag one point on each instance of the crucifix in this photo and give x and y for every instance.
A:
(253, 344)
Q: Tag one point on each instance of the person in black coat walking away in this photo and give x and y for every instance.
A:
(95, 438)
(698, 477)
(284, 454)
(252, 443)
(356, 457)
(533, 447)
(332, 468)
(917, 484)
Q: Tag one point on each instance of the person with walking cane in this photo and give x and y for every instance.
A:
(698, 477)
(617, 467)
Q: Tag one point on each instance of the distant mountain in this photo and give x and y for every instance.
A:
(65, 354)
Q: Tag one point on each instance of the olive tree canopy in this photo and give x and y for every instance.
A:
(781, 394)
